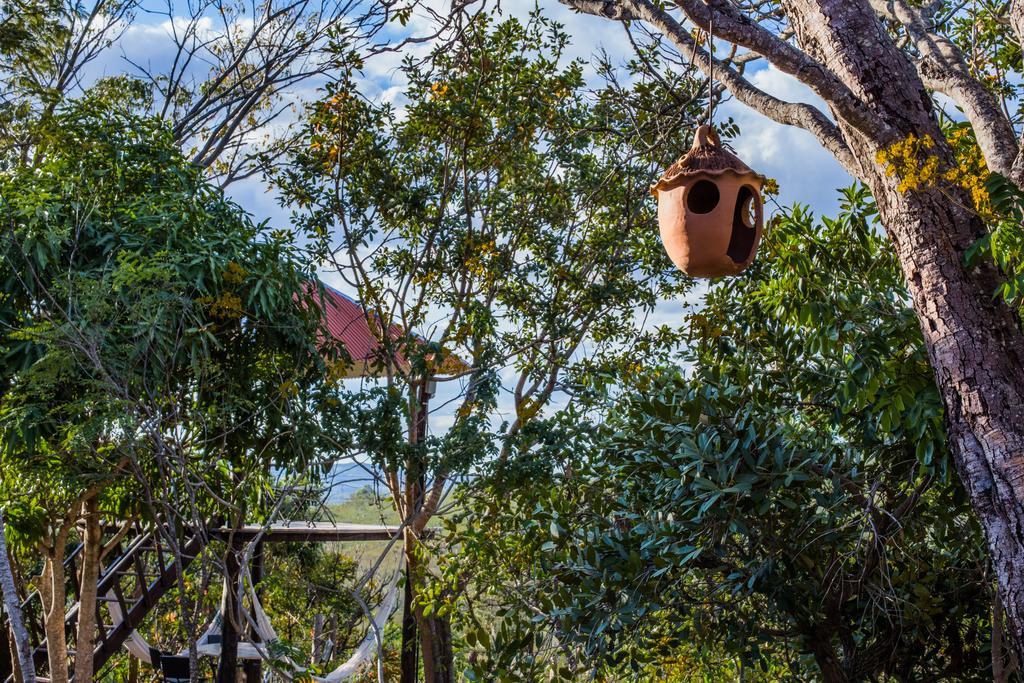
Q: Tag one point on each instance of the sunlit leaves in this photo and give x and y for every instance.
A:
(1005, 243)
(145, 313)
(788, 491)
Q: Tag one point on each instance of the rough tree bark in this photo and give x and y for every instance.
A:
(12, 607)
(53, 594)
(92, 550)
(974, 341)
(878, 94)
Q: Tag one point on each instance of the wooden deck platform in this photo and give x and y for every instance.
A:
(318, 532)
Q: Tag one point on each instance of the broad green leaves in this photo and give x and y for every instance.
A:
(1005, 243)
(151, 329)
(785, 500)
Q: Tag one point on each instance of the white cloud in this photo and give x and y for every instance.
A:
(806, 172)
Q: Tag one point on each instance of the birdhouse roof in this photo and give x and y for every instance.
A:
(707, 156)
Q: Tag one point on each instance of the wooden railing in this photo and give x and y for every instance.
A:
(142, 571)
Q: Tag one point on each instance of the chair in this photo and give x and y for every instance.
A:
(175, 669)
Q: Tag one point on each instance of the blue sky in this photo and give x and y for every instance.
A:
(806, 173)
(787, 154)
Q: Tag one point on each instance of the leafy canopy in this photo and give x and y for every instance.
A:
(502, 214)
(149, 326)
(784, 504)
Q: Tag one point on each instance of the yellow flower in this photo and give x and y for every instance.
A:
(228, 306)
(235, 274)
(911, 161)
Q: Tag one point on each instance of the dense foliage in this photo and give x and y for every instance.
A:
(138, 299)
(496, 230)
(784, 503)
(161, 351)
(780, 505)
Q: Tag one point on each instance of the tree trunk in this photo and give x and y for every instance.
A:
(432, 672)
(977, 352)
(317, 641)
(85, 642)
(332, 629)
(434, 632)
(253, 668)
(12, 669)
(52, 592)
(825, 657)
(12, 606)
(418, 631)
(227, 668)
(974, 341)
(1004, 662)
(442, 653)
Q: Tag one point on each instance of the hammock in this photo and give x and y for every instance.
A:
(373, 640)
(209, 643)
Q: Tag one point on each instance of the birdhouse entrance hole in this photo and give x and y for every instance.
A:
(703, 197)
(744, 234)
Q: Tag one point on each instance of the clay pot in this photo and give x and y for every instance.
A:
(710, 209)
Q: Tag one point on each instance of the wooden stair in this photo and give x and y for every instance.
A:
(142, 571)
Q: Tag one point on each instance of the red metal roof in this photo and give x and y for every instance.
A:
(348, 323)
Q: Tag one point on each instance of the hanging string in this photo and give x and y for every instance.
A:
(711, 67)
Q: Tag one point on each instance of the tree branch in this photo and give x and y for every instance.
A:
(801, 115)
(942, 68)
(1016, 16)
(728, 22)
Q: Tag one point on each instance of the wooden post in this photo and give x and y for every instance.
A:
(227, 668)
(254, 667)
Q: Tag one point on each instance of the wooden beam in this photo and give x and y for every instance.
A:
(314, 532)
(136, 612)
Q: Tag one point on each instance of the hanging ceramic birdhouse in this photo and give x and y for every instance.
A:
(710, 209)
